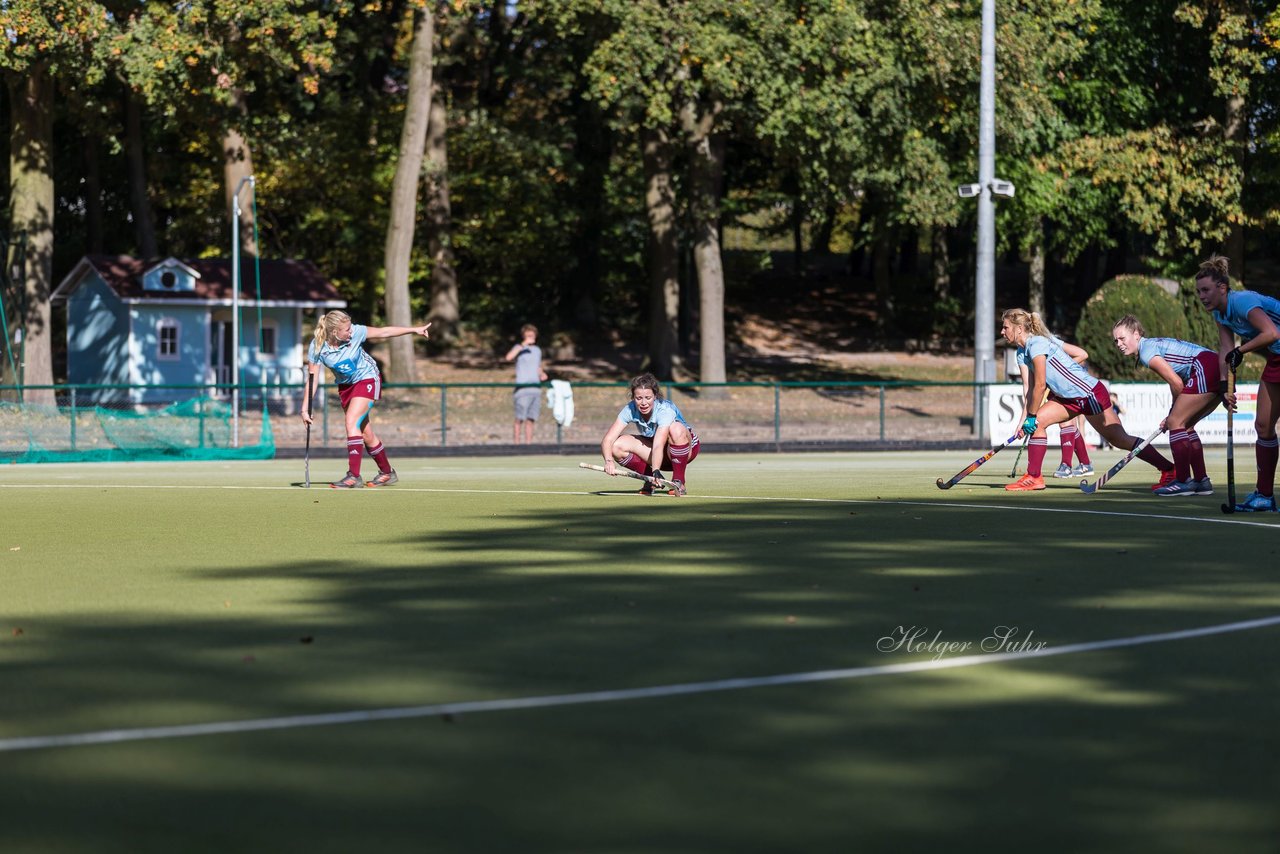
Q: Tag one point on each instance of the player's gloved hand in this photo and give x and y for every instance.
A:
(1029, 425)
(1234, 358)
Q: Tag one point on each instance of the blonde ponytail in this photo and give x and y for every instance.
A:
(326, 325)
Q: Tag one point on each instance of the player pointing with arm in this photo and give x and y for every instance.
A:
(665, 438)
(337, 346)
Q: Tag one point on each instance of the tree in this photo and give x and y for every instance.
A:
(402, 214)
(46, 41)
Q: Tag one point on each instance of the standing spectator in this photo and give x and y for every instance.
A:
(337, 346)
(1192, 374)
(529, 375)
(1255, 318)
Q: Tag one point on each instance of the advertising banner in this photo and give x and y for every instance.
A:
(1141, 407)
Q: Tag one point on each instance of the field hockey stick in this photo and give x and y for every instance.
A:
(306, 454)
(1230, 506)
(655, 482)
(1026, 438)
(973, 466)
(1014, 471)
(1091, 488)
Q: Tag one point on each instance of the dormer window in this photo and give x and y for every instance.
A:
(170, 276)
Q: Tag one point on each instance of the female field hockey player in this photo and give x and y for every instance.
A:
(336, 345)
(665, 438)
(1256, 319)
(1192, 374)
(1071, 433)
(1071, 391)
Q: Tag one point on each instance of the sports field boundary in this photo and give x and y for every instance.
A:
(117, 736)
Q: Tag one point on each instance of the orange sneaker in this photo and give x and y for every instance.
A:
(1166, 478)
(1026, 483)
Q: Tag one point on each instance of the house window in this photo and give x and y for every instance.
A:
(167, 336)
(269, 331)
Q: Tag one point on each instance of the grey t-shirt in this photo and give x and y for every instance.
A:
(529, 365)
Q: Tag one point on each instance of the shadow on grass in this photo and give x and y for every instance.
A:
(1122, 751)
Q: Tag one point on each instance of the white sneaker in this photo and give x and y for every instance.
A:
(1064, 470)
(1082, 470)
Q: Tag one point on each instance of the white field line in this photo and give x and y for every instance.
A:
(549, 701)
(1234, 519)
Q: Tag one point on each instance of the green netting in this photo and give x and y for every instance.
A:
(199, 429)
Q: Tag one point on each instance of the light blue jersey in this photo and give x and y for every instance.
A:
(349, 362)
(664, 414)
(1236, 317)
(1181, 355)
(1064, 377)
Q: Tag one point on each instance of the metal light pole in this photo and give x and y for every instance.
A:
(235, 309)
(984, 332)
(988, 186)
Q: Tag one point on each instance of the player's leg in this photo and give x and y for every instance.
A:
(357, 413)
(1067, 438)
(1186, 412)
(1084, 466)
(633, 452)
(682, 449)
(1052, 412)
(1267, 447)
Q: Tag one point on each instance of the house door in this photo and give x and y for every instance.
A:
(220, 352)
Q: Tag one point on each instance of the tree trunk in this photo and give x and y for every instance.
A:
(143, 223)
(93, 196)
(706, 173)
(664, 261)
(1035, 276)
(404, 197)
(237, 164)
(941, 264)
(31, 199)
(445, 313)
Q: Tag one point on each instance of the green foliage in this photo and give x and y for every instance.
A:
(1161, 314)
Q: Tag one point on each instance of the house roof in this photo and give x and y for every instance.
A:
(283, 281)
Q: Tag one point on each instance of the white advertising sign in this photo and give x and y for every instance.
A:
(1141, 407)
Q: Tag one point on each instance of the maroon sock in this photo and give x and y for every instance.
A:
(355, 450)
(1180, 447)
(379, 454)
(1036, 449)
(679, 460)
(1082, 448)
(1149, 454)
(1197, 455)
(1267, 450)
(636, 464)
(1068, 439)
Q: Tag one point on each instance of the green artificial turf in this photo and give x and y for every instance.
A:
(153, 595)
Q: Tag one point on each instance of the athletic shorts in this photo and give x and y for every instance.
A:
(1098, 401)
(528, 402)
(1271, 373)
(369, 389)
(1204, 375)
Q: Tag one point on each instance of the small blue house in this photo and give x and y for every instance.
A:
(168, 322)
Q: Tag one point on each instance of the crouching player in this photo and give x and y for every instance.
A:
(1071, 391)
(665, 439)
(1192, 374)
